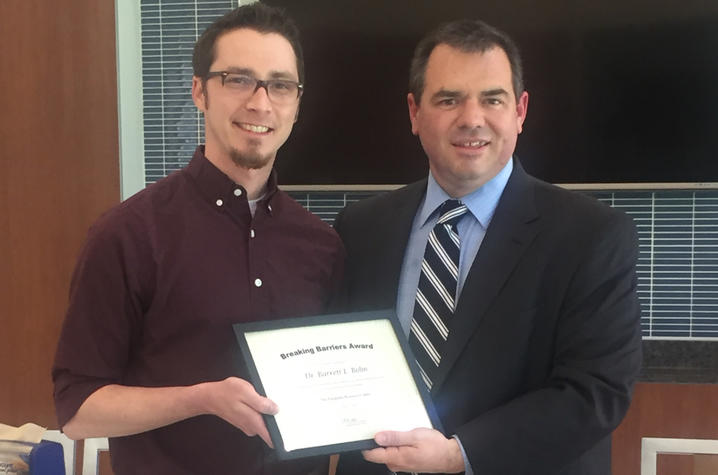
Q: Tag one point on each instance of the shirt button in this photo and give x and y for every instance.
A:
(219, 202)
(251, 233)
(269, 207)
(238, 192)
(257, 282)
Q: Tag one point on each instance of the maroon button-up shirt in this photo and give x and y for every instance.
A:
(162, 278)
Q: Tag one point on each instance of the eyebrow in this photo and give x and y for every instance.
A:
(444, 93)
(495, 92)
(251, 72)
(238, 70)
(449, 93)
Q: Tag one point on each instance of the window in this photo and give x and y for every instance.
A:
(159, 124)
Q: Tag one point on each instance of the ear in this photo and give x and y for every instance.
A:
(522, 106)
(199, 94)
(413, 112)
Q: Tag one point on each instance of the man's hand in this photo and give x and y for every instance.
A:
(419, 450)
(116, 411)
(236, 401)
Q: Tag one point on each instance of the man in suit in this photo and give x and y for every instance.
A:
(541, 346)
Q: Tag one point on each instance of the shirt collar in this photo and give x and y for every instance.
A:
(481, 202)
(214, 184)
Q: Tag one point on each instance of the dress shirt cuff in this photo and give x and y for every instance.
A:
(467, 466)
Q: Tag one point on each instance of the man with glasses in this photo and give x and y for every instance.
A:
(518, 297)
(147, 356)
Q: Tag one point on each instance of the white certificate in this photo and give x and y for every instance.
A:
(337, 379)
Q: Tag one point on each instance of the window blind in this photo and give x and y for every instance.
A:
(678, 254)
(172, 124)
(678, 260)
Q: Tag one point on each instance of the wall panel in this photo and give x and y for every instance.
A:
(687, 411)
(59, 171)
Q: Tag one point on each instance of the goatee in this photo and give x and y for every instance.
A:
(250, 161)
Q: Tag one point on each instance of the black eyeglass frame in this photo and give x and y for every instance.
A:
(260, 82)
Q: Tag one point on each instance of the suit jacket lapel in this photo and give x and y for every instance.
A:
(512, 229)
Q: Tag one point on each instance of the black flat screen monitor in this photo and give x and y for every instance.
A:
(621, 91)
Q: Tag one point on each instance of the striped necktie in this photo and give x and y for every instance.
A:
(436, 293)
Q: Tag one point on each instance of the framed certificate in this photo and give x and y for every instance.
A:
(337, 379)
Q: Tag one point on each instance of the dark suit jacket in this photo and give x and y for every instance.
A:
(545, 343)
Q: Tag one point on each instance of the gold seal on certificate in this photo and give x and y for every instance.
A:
(337, 379)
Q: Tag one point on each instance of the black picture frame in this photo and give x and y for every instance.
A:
(241, 329)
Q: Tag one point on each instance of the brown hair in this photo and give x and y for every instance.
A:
(256, 16)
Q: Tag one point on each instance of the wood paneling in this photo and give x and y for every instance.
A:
(674, 464)
(705, 464)
(105, 464)
(682, 464)
(59, 171)
(688, 411)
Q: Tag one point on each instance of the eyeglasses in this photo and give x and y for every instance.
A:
(279, 91)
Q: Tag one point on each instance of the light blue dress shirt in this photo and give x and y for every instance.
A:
(481, 205)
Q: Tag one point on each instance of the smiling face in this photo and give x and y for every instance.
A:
(468, 118)
(246, 130)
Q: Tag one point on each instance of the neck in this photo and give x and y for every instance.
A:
(254, 180)
(458, 190)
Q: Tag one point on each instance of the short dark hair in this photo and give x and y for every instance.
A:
(470, 36)
(255, 16)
